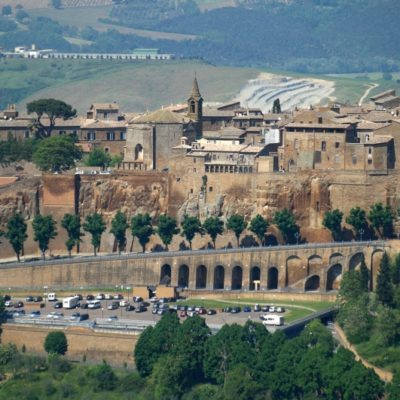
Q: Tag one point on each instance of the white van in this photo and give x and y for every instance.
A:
(273, 320)
(51, 297)
(93, 304)
(70, 302)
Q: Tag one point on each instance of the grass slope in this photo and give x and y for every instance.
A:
(135, 86)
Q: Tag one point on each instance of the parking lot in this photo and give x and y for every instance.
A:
(126, 311)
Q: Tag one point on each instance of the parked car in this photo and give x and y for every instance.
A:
(280, 309)
(162, 311)
(19, 313)
(100, 296)
(18, 304)
(129, 307)
(34, 314)
(190, 308)
(137, 299)
(113, 306)
(58, 304)
(84, 306)
(80, 297)
(108, 296)
(29, 299)
(228, 309)
(202, 311)
(8, 303)
(123, 303)
(154, 300)
(75, 316)
(118, 296)
(112, 318)
(38, 299)
(6, 297)
(84, 317)
(246, 309)
(183, 314)
(154, 310)
(256, 308)
(89, 297)
(190, 313)
(236, 310)
(55, 315)
(211, 312)
(265, 308)
(182, 308)
(141, 308)
(272, 309)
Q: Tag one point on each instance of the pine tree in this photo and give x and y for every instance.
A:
(384, 286)
(364, 272)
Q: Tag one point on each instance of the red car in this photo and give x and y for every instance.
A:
(183, 314)
(202, 311)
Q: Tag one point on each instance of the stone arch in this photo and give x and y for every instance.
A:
(295, 270)
(183, 276)
(273, 278)
(219, 277)
(201, 277)
(334, 277)
(315, 264)
(165, 276)
(138, 152)
(355, 261)
(312, 283)
(255, 275)
(335, 258)
(237, 278)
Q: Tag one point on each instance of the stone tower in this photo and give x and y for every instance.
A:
(195, 103)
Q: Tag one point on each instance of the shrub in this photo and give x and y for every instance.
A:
(56, 343)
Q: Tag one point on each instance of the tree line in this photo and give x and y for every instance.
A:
(379, 219)
(141, 228)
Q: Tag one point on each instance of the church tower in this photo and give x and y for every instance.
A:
(195, 103)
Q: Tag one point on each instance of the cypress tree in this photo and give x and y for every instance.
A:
(384, 286)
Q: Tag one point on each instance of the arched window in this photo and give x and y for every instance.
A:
(138, 152)
(192, 107)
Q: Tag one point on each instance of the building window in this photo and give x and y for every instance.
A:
(26, 134)
(210, 189)
(369, 150)
(323, 146)
(122, 136)
(110, 135)
(337, 145)
(317, 206)
(369, 160)
(91, 136)
(194, 160)
(191, 190)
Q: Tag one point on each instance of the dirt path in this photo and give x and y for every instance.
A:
(384, 375)
(366, 93)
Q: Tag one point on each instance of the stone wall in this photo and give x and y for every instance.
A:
(115, 348)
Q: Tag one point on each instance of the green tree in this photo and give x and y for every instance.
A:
(103, 377)
(358, 220)
(351, 287)
(56, 343)
(145, 352)
(237, 224)
(276, 107)
(259, 226)
(388, 323)
(214, 227)
(381, 219)
(119, 225)
(6, 10)
(166, 229)
(95, 225)
(56, 154)
(56, 4)
(394, 387)
(190, 226)
(44, 229)
(142, 229)
(396, 270)
(286, 223)
(16, 234)
(239, 384)
(52, 109)
(384, 286)
(72, 224)
(333, 221)
(97, 158)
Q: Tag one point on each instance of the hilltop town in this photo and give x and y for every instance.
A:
(217, 161)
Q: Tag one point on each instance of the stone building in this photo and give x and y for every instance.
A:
(151, 137)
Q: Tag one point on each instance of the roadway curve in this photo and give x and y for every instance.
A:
(366, 93)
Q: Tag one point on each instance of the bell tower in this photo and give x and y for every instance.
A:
(195, 103)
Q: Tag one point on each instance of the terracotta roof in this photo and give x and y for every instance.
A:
(371, 126)
(379, 140)
(15, 123)
(378, 116)
(317, 125)
(161, 117)
(227, 132)
(228, 148)
(214, 112)
(104, 106)
(102, 124)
